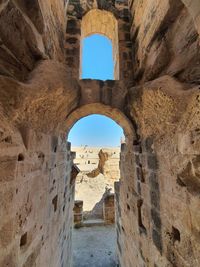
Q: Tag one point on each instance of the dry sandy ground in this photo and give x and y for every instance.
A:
(92, 191)
(94, 247)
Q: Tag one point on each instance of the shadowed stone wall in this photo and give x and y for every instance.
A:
(156, 101)
(165, 40)
(158, 202)
(37, 197)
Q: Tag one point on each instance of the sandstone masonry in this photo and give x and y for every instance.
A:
(155, 99)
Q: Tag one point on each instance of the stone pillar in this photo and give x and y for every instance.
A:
(109, 209)
(78, 213)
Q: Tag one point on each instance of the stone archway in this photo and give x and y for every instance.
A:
(98, 108)
(36, 162)
(85, 19)
(126, 166)
(102, 22)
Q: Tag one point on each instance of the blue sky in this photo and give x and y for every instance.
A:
(97, 63)
(96, 130)
(97, 58)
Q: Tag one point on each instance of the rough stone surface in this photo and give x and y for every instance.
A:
(159, 200)
(156, 101)
(30, 31)
(36, 201)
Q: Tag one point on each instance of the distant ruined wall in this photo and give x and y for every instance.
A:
(93, 161)
(108, 165)
(99, 169)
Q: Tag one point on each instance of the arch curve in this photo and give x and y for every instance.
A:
(102, 22)
(97, 108)
(99, 21)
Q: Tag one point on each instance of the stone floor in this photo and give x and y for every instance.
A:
(94, 246)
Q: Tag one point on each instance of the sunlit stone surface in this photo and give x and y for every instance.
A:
(155, 99)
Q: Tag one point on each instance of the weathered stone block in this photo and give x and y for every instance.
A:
(152, 162)
(8, 168)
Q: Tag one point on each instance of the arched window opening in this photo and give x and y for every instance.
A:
(96, 130)
(96, 139)
(97, 58)
(100, 28)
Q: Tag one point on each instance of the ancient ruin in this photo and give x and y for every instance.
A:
(94, 190)
(155, 98)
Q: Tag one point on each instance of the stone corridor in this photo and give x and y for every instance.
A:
(155, 98)
(94, 247)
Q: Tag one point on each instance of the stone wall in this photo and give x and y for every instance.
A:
(36, 196)
(30, 31)
(84, 19)
(99, 160)
(109, 209)
(156, 102)
(165, 40)
(158, 221)
(158, 201)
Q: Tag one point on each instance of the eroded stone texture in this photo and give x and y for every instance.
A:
(109, 209)
(159, 201)
(36, 200)
(156, 101)
(43, 101)
(165, 40)
(30, 31)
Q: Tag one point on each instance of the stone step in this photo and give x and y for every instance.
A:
(94, 222)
